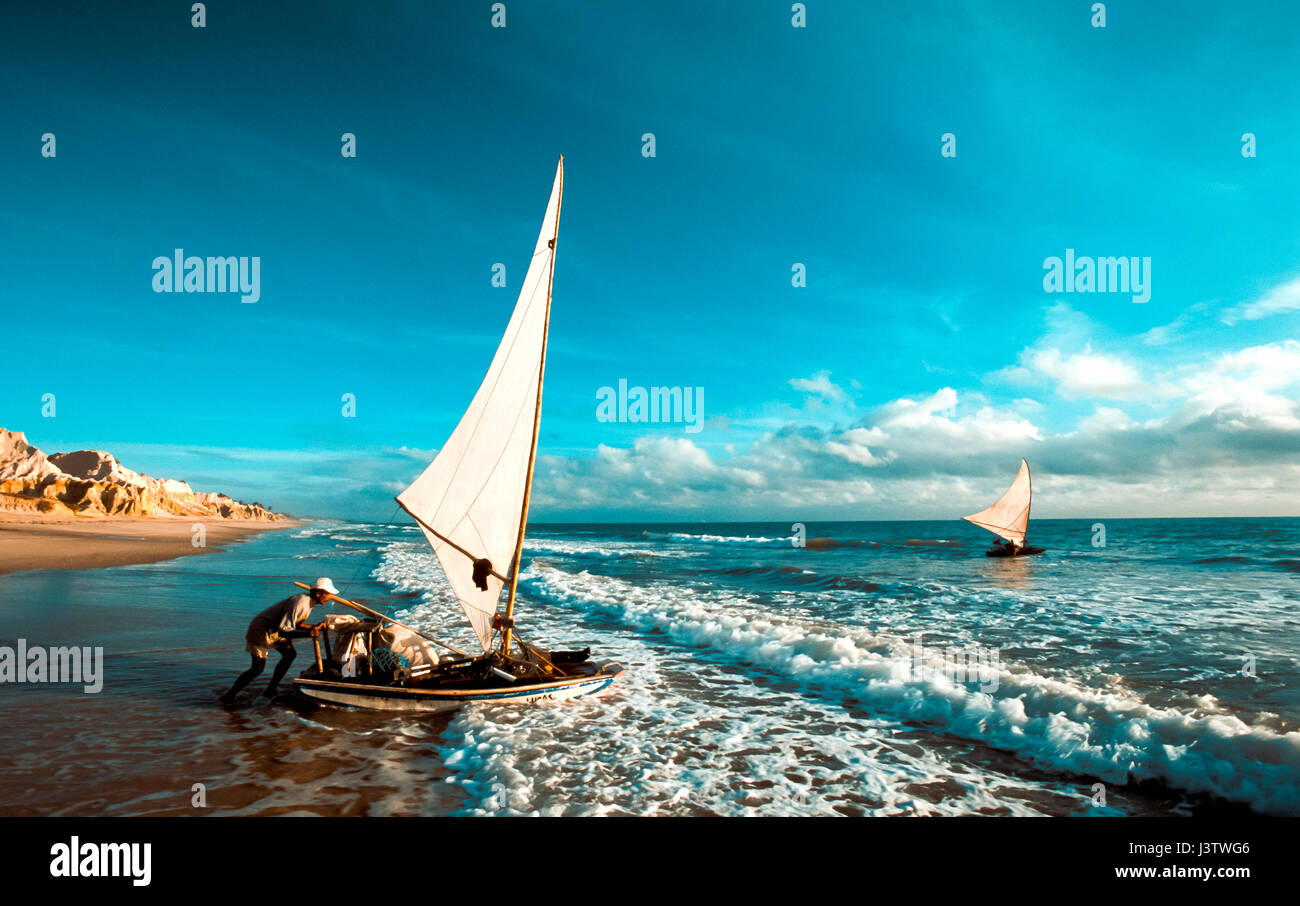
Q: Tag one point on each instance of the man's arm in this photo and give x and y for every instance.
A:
(311, 629)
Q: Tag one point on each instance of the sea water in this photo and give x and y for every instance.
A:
(885, 668)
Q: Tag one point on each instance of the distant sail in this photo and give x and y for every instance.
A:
(469, 500)
(1009, 517)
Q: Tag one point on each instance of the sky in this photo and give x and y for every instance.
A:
(920, 361)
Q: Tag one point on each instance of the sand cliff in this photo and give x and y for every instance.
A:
(94, 483)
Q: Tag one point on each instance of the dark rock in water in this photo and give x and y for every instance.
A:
(826, 544)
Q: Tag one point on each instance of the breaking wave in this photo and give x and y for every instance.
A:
(543, 544)
(1110, 734)
(792, 575)
(713, 539)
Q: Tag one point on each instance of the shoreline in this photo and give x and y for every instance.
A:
(35, 543)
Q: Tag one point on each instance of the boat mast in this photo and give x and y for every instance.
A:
(1029, 480)
(537, 423)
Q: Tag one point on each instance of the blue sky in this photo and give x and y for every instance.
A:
(906, 379)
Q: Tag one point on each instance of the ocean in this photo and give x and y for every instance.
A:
(886, 668)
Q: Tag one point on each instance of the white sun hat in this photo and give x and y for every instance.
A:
(325, 585)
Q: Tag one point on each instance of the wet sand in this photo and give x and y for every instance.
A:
(28, 542)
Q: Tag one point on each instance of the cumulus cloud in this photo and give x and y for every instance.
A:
(1227, 442)
(1064, 357)
(854, 446)
(1249, 384)
(1086, 374)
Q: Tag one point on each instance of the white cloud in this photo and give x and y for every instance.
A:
(1074, 374)
(820, 384)
(1220, 435)
(1276, 301)
(852, 445)
(1227, 443)
(909, 413)
(1167, 333)
(1105, 418)
(1244, 385)
(1087, 373)
(1270, 366)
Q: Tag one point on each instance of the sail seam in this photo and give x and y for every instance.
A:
(473, 432)
(483, 487)
(447, 542)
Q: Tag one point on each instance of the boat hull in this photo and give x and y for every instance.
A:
(415, 698)
(1023, 552)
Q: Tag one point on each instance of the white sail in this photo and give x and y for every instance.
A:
(469, 500)
(1009, 517)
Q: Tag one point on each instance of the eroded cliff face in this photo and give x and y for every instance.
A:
(94, 483)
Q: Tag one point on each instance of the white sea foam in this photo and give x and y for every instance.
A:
(1114, 736)
(677, 736)
(656, 748)
(655, 745)
(716, 539)
(601, 549)
(412, 568)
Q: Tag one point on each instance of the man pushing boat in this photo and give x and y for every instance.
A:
(276, 628)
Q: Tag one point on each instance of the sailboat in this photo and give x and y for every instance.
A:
(471, 504)
(1008, 518)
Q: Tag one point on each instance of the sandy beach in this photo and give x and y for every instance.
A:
(28, 542)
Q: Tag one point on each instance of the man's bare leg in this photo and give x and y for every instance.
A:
(252, 673)
(287, 654)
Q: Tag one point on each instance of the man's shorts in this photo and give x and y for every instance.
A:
(261, 640)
